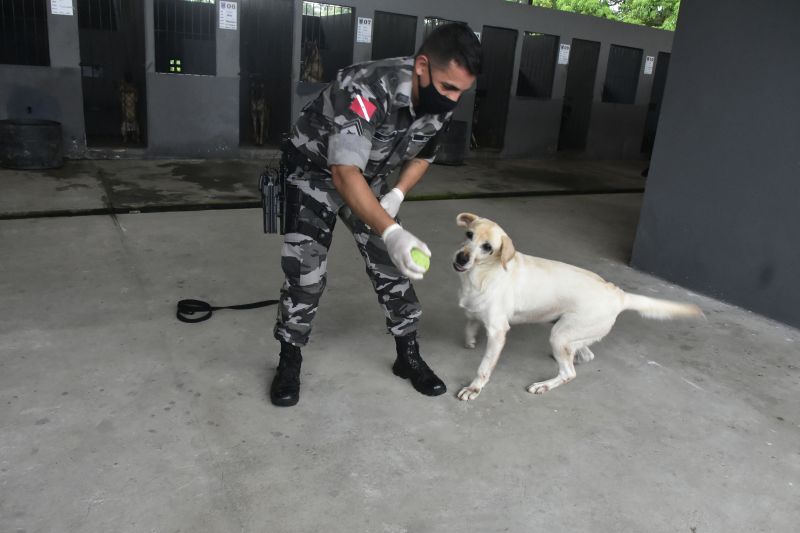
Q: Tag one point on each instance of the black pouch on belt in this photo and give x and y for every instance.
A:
(295, 200)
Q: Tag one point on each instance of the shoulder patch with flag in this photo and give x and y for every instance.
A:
(362, 107)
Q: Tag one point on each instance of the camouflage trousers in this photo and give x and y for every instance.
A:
(312, 211)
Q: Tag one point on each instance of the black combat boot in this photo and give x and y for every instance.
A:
(285, 390)
(410, 365)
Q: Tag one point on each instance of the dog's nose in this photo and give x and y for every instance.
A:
(462, 258)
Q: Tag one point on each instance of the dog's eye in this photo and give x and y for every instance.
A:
(486, 247)
(469, 235)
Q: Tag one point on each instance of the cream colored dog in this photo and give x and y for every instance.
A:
(500, 287)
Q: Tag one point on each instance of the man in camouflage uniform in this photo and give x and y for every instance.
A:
(373, 118)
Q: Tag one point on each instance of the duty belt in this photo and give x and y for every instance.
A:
(294, 158)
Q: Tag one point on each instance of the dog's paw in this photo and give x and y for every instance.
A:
(469, 393)
(583, 355)
(538, 388)
(469, 343)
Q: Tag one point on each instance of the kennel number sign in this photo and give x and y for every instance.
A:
(563, 54)
(364, 33)
(648, 64)
(61, 7)
(227, 15)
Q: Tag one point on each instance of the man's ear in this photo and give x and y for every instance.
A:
(507, 250)
(420, 64)
(465, 219)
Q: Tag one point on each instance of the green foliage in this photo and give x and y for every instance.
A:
(595, 8)
(654, 13)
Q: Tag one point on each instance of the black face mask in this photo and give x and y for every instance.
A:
(431, 101)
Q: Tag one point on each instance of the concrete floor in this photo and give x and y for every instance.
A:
(116, 417)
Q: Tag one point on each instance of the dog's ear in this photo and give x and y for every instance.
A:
(507, 250)
(465, 219)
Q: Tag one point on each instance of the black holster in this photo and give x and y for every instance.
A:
(272, 186)
(281, 203)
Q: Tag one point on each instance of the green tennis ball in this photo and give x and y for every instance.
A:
(419, 257)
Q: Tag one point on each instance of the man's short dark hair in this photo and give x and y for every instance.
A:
(453, 42)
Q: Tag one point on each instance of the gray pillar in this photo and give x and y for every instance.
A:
(59, 90)
(62, 31)
(720, 212)
(362, 51)
(228, 46)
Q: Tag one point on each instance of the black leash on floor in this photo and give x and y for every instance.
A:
(272, 189)
(188, 308)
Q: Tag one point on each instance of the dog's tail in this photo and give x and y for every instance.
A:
(660, 309)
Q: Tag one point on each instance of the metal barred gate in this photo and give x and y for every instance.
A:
(112, 55)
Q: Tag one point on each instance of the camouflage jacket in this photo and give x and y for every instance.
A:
(365, 118)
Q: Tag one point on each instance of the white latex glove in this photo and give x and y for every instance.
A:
(391, 201)
(399, 243)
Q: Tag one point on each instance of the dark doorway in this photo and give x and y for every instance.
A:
(265, 62)
(431, 23)
(111, 34)
(494, 87)
(394, 35)
(327, 37)
(23, 33)
(578, 95)
(654, 108)
(622, 74)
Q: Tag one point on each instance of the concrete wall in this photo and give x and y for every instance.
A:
(532, 127)
(195, 116)
(533, 124)
(191, 115)
(199, 115)
(45, 93)
(51, 93)
(615, 130)
(721, 212)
